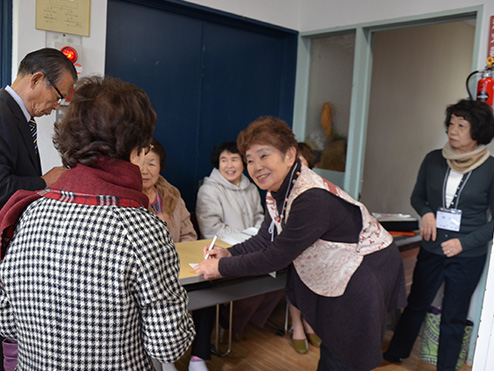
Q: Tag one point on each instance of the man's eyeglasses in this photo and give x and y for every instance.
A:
(61, 98)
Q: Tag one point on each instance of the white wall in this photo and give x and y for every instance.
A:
(322, 14)
(284, 13)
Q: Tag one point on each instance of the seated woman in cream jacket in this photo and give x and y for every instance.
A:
(227, 201)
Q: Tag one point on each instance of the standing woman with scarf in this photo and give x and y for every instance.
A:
(453, 195)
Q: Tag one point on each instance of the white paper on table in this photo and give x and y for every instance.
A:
(239, 237)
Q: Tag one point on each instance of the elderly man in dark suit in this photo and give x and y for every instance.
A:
(44, 79)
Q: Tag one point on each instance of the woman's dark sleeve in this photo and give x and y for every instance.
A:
(256, 242)
(309, 219)
(419, 199)
(483, 234)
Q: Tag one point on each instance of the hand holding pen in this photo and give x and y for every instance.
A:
(209, 267)
(211, 246)
(215, 252)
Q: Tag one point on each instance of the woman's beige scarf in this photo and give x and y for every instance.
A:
(465, 162)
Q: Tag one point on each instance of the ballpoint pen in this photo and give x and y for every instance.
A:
(211, 246)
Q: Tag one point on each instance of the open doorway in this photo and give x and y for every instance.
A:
(416, 73)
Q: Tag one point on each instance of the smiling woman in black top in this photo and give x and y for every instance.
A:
(333, 248)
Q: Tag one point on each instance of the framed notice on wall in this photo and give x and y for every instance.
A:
(64, 16)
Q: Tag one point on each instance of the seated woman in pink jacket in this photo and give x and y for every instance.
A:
(164, 199)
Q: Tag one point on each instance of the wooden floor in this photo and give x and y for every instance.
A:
(261, 349)
(264, 350)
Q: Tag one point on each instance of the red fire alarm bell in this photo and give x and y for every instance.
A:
(70, 53)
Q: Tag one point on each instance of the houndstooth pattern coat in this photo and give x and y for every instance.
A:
(92, 287)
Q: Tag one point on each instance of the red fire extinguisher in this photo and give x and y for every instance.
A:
(485, 86)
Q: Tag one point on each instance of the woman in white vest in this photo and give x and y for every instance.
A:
(344, 271)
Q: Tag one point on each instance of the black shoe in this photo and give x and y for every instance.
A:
(389, 359)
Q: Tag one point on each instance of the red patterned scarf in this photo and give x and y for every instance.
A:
(107, 182)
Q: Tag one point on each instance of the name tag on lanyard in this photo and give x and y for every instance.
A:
(450, 218)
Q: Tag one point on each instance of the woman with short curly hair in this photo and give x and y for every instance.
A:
(90, 277)
(332, 247)
(106, 118)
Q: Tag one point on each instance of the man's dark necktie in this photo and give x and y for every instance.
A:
(34, 133)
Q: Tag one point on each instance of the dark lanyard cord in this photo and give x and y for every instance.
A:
(456, 197)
